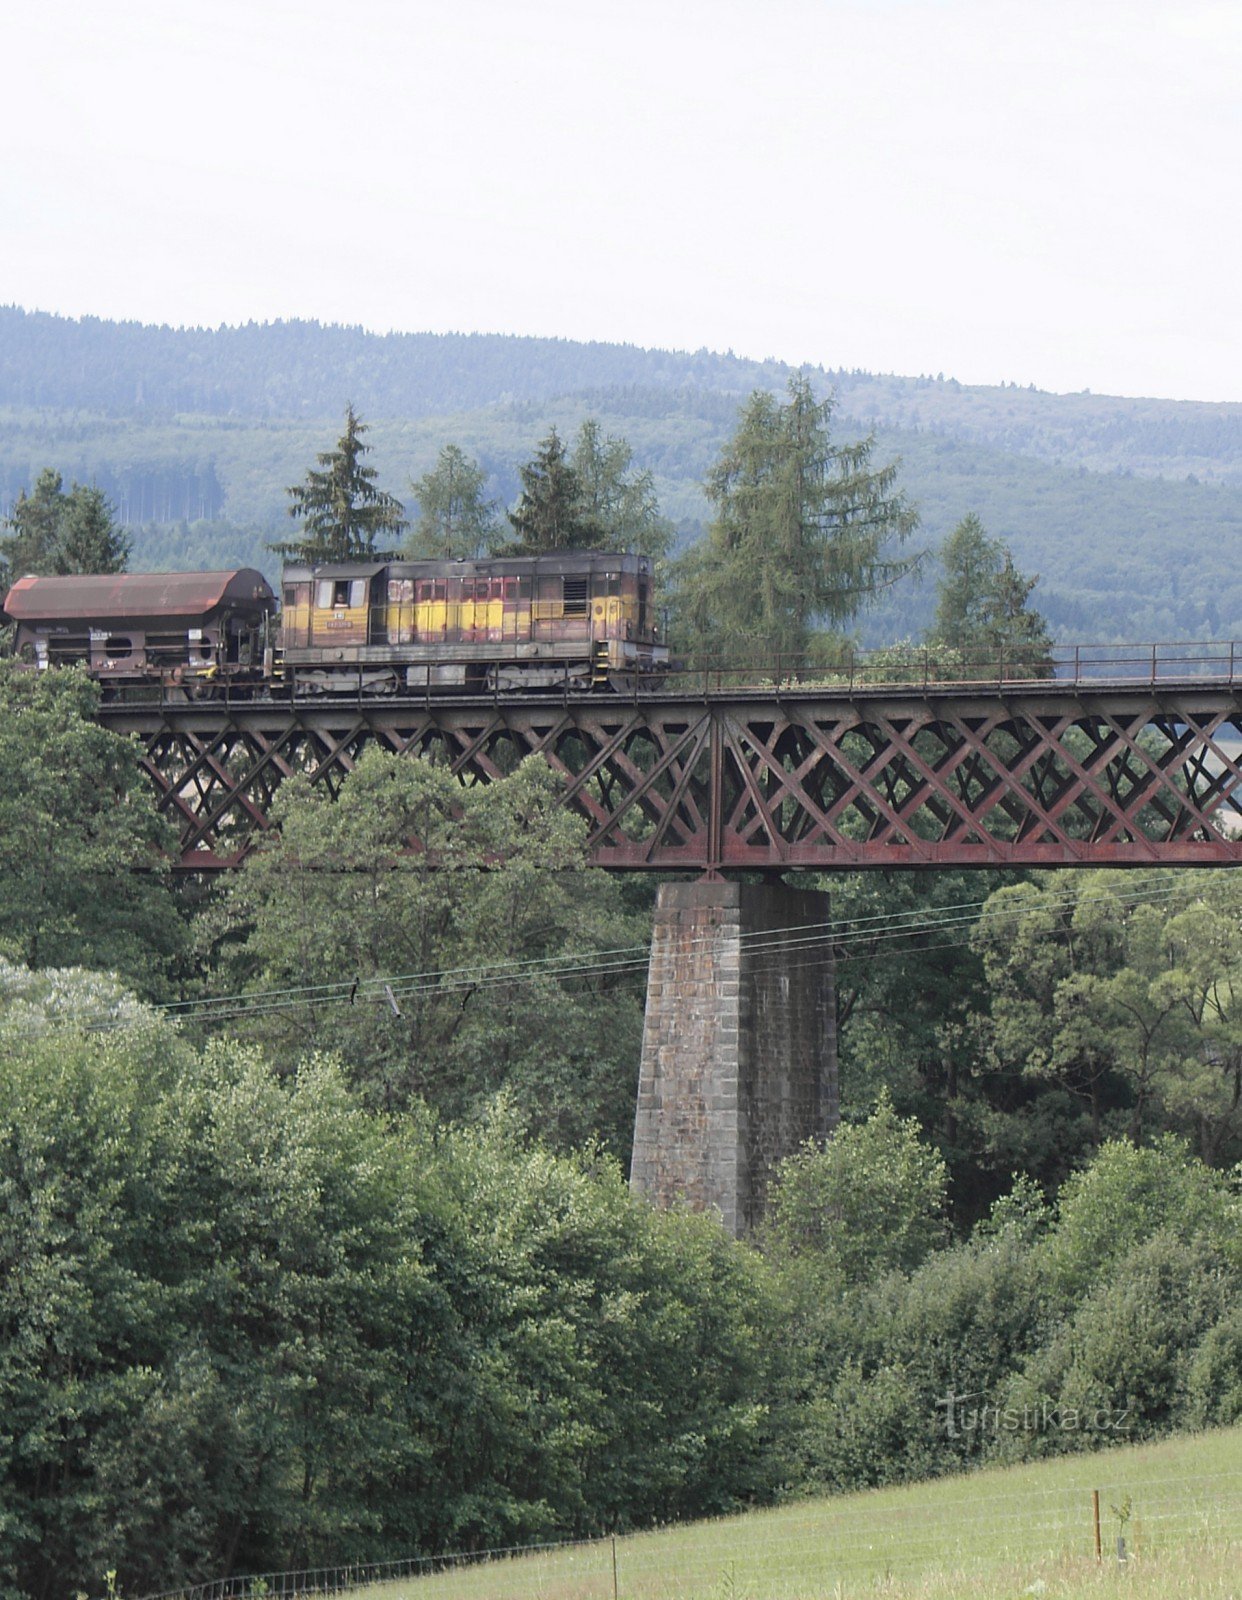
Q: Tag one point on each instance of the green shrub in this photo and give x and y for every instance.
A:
(1118, 1369)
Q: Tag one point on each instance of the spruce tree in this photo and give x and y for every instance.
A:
(984, 608)
(55, 532)
(552, 513)
(340, 506)
(89, 539)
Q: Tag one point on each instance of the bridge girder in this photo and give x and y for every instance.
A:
(777, 780)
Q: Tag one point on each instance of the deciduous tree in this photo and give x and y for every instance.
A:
(480, 902)
(871, 1200)
(1127, 1002)
(84, 855)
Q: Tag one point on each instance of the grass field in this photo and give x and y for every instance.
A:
(1013, 1532)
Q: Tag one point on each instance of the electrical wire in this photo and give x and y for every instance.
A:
(871, 931)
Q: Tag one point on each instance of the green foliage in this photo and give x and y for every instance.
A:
(83, 854)
(246, 1325)
(1120, 1365)
(1116, 1319)
(803, 537)
(454, 520)
(498, 881)
(911, 1001)
(868, 1201)
(1129, 1003)
(340, 505)
(1127, 1196)
(1213, 1378)
(983, 608)
(619, 502)
(552, 512)
(55, 532)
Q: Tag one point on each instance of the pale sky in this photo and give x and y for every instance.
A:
(1024, 190)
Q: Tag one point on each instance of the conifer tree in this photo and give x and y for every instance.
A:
(805, 534)
(984, 608)
(620, 501)
(552, 513)
(454, 520)
(340, 506)
(89, 539)
(59, 532)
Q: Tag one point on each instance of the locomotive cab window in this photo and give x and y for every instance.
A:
(574, 594)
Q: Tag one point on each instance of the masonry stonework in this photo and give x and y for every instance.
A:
(739, 1060)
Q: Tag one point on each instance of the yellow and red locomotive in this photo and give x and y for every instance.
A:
(581, 619)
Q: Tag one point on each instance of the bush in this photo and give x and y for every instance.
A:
(1214, 1377)
(247, 1324)
(1119, 1369)
(870, 1200)
(1128, 1195)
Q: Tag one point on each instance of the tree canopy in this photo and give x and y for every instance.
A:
(83, 853)
(552, 511)
(340, 505)
(806, 533)
(454, 520)
(619, 501)
(1126, 1003)
(54, 531)
(983, 608)
(483, 894)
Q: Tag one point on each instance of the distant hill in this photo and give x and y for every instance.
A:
(1130, 509)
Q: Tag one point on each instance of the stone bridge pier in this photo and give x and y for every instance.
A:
(739, 1059)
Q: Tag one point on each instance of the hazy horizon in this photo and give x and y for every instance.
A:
(500, 333)
(1021, 191)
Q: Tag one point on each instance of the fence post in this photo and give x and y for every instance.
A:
(1095, 1513)
(614, 1568)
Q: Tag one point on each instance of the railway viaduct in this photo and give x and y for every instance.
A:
(1114, 762)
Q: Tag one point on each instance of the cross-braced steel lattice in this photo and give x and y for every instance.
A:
(771, 780)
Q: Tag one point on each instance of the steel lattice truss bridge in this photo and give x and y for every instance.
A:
(1125, 772)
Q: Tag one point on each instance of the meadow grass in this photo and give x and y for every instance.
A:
(1016, 1531)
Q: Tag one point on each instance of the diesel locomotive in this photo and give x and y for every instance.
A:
(581, 619)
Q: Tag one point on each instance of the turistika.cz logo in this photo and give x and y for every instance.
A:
(963, 1414)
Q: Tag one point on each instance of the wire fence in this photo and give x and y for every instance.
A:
(800, 1552)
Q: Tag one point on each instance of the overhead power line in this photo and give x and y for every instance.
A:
(852, 937)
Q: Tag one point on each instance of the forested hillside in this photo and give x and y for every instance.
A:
(1127, 508)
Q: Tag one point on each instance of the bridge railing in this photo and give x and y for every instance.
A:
(920, 667)
(925, 667)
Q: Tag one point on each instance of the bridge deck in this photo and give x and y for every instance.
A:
(1098, 771)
